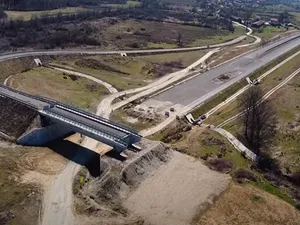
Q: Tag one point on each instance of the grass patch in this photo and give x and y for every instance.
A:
(218, 39)
(280, 193)
(200, 142)
(132, 71)
(245, 204)
(13, 66)
(127, 5)
(27, 15)
(76, 91)
(128, 34)
(268, 32)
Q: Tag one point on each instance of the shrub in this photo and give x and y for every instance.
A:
(244, 174)
(221, 165)
(134, 45)
(274, 179)
(297, 206)
(296, 178)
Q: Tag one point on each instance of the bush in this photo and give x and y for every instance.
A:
(274, 179)
(297, 206)
(244, 174)
(221, 165)
(296, 178)
(134, 45)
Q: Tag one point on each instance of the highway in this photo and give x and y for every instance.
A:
(207, 84)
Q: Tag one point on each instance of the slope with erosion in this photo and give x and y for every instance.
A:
(146, 191)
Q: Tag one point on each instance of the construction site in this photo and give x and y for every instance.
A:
(87, 140)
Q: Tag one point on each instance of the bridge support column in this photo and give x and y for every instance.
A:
(41, 136)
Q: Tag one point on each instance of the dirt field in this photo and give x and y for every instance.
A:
(145, 194)
(23, 173)
(176, 191)
(73, 90)
(249, 206)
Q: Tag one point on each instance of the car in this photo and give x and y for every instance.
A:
(203, 117)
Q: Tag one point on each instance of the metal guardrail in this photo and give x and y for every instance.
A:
(104, 122)
(92, 126)
(99, 118)
(89, 115)
(75, 123)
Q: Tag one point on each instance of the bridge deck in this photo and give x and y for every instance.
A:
(87, 121)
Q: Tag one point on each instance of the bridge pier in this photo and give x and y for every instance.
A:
(41, 136)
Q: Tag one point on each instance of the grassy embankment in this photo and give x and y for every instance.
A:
(77, 91)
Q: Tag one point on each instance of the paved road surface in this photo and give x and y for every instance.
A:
(208, 82)
(13, 55)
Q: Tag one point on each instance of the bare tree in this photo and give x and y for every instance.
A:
(259, 119)
(179, 40)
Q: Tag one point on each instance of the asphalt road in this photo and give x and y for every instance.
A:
(207, 84)
(12, 55)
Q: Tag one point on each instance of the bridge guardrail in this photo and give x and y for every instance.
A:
(117, 137)
(86, 113)
(98, 117)
(77, 124)
(94, 118)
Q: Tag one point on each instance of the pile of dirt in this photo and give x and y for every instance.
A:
(140, 168)
(161, 69)
(149, 117)
(103, 197)
(15, 117)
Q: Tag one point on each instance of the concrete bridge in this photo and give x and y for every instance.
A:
(63, 120)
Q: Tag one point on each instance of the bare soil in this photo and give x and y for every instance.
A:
(24, 171)
(146, 194)
(176, 191)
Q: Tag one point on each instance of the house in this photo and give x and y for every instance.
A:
(274, 22)
(258, 24)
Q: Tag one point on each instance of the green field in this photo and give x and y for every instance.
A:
(79, 92)
(27, 15)
(127, 5)
(268, 32)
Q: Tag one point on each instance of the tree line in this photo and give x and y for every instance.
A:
(50, 29)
